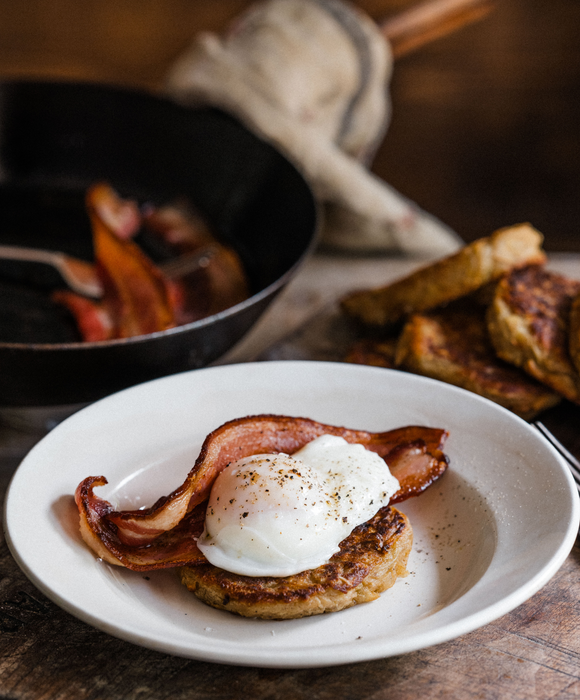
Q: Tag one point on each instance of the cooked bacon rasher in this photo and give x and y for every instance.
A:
(138, 297)
(164, 535)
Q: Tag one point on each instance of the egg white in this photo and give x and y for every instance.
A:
(276, 515)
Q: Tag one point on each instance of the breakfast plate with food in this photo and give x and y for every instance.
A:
(291, 514)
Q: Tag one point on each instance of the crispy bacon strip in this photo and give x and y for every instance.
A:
(136, 294)
(163, 535)
(93, 320)
(213, 287)
(122, 216)
(137, 298)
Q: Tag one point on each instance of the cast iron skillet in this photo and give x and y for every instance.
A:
(58, 138)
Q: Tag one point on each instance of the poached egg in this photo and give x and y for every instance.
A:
(278, 515)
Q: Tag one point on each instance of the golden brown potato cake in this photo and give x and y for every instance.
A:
(528, 322)
(370, 560)
(450, 278)
(574, 328)
(369, 351)
(453, 345)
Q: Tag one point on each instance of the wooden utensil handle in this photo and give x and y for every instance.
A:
(430, 20)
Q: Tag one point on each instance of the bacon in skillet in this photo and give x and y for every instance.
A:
(137, 299)
(164, 535)
(135, 292)
(122, 216)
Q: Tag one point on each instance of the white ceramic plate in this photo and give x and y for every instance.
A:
(480, 548)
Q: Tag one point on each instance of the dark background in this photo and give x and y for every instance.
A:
(486, 125)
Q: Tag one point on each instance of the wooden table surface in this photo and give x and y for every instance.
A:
(485, 133)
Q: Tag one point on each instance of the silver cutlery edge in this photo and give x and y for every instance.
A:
(573, 463)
